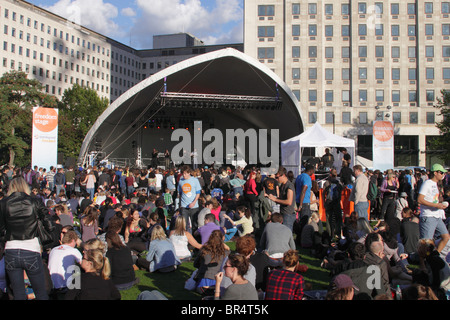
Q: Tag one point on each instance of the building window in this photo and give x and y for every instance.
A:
(362, 73)
(329, 52)
(363, 117)
(266, 10)
(346, 117)
(395, 30)
(296, 8)
(295, 30)
(395, 9)
(329, 96)
(412, 96)
(411, 52)
(266, 31)
(266, 53)
(345, 95)
(411, 8)
(379, 73)
(411, 30)
(430, 118)
(446, 51)
(329, 74)
(412, 74)
(379, 29)
(362, 95)
(328, 9)
(395, 52)
(379, 51)
(296, 94)
(379, 95)
(296, 52)
(430, 95)
(345, 30)
(345, 52)
(329, 117)
(429, 51)
(446, 29)
(362, 7)
(345, 73)
(312, 74)
(312, 30)
(413, 117)
(328, 31)
(429, 73)
(446, 73)
(312, 117)
(429, 29)
(362, 51)
(345, 9)
(312, 95)
(362, 29)
(445, 7)
(428, 7)
(395, 95)
(295, 73)
(312, 52)
(312, 8)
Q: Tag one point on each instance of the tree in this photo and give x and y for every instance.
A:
(79, 108)
(18, 96)
(443, 141)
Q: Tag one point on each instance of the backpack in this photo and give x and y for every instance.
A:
(333, 192)
(372, 193)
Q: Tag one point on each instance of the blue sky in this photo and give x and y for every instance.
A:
(135, 22)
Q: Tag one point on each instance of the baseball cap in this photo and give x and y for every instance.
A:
(343, 281)
(437, 167)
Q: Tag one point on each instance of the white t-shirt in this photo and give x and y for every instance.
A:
(159, 178)
(431, 192)
(59, 261)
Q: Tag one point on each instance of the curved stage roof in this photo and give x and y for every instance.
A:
(133, 118)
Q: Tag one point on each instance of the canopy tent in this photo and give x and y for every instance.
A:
(316, 137)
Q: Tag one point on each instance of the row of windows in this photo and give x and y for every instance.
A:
(269, 52)
(363, 74)
(413, 117)
(363, 8)
(61, 34)
(269, 31)
(363, 95)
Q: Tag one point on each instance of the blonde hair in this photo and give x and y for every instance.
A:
(94, 244)
(314, 217)
(180, 225)
(99, 262)
(158, 233)
(18, 185)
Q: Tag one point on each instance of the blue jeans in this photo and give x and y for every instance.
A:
(16, 262)
(289, 219)
(361, 209)
(91, 192)
(230, 233)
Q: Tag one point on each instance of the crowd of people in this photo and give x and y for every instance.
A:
(81, 233)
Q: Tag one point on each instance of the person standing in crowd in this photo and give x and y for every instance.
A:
(19, 214)
(432, 208)
(303, 185)
(90, 181)
(251, 194)
(189, 191)
(332, 195)
(327, 160)
(389, 190)
(59, 180)
(286, 198)
(359, 192)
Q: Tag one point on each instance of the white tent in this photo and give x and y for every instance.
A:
(317, 137)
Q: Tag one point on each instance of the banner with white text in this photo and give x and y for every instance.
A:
(383, 145)
(44, 149)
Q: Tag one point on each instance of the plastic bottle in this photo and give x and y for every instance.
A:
(398, 293)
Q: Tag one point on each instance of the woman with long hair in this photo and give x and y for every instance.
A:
(135, 230)
(181, 239)
(121, 261)
(89, 223)
(250, 192)
(19, 214)
(94, 283)
(210, 261)
(90, 181)
(389, 191)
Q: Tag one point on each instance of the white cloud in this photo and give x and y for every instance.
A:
(173, 16)
(128, 12)
(93, 14)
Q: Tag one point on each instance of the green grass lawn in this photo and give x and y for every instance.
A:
(172, 284)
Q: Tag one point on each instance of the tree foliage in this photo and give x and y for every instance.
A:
(79, 108)
(18, 96)
(443, 141)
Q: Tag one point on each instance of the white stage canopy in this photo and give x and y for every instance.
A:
(316, 137)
